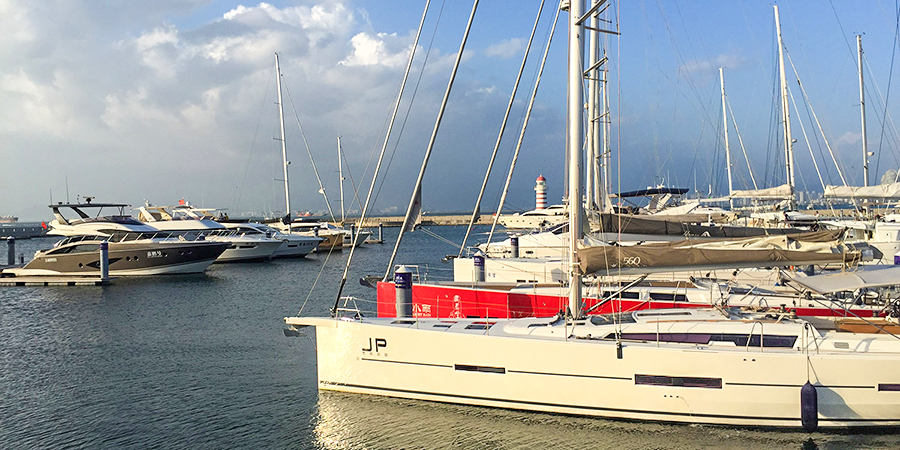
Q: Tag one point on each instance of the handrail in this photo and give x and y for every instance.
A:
(761, 336)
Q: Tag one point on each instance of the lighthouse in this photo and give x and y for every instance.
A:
(540, 193)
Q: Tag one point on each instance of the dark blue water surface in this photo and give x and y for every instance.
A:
(201, 362)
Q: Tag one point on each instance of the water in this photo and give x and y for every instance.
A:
(201, 362)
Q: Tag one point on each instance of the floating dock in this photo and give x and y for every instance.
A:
(52, 281)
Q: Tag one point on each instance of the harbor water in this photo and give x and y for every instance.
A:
(201, 362)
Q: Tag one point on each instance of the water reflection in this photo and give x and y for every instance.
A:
(349, 421)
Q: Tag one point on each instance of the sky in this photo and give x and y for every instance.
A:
(157, 101)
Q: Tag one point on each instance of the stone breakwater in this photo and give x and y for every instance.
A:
(428, 220)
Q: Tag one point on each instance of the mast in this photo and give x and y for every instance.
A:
(591, 180)
(862, 108)
(575, 145)
(727, 149)
(284, 160)
(785, 111)
(341, 177)
(607, 150)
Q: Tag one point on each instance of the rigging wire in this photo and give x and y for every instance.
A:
(239, 189)
(309, 152)
(381, 155)
(528, 110)
(885, 121)
(816, 117)
(417, 191)
(888, 92)
(477, 209)
(409, 106)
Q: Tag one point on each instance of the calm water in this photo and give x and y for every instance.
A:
(201, 362)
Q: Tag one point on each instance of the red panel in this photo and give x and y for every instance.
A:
(438, 301)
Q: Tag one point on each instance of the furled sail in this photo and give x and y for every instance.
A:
(671, 226)
(687, 255)
(772, 193)
(881, 191)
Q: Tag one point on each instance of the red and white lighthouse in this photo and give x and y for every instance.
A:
(540, 193)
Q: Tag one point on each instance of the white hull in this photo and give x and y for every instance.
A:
(584, 377)
(246, 249)
(295, 248)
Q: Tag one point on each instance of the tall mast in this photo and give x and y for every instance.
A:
(862, 108)
(607, 150)
(727, 149)
(284, 160)
(591, 178)
(785, 111)
(575, 143)
(341, 177)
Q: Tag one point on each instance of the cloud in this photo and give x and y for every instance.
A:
(369, 50)
(106, 92)
(850, 138)
(708, 68)
(506, 48)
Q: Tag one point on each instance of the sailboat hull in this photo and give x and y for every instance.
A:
(670, 383)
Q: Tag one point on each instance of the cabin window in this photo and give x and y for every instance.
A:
(625, 295)
(740, 340)
(661, 380)
(403, 322)
(480, 325)
(889, 387)
(667, 297)
(606, 319)
(483, 369)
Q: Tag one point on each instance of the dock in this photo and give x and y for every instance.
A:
(36, 280)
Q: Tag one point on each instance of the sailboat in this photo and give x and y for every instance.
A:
(712, 366)
(330, 239)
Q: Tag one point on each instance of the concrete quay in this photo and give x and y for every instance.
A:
(427, 220)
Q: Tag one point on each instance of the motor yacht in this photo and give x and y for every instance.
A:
(134, 247)
(332, 238)
(292, 246)
(192, 221)
(129, 255)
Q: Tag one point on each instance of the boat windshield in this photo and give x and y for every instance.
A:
(612, 318)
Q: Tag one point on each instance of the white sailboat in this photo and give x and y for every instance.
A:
(692, 366)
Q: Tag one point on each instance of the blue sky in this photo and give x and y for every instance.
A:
(157, 101)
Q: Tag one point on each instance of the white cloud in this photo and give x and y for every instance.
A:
(850, 138)
(371, 50)
(132, 87)
(482, 91)
(506, 48)
(708, 67)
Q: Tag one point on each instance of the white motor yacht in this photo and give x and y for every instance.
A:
(292, 245)
(134, 248)
(332, 238)
(192, 221)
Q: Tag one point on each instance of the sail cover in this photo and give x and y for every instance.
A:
(882, 191)
(686, 255)
(671, 226)
(850, 281)
(772, 193)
